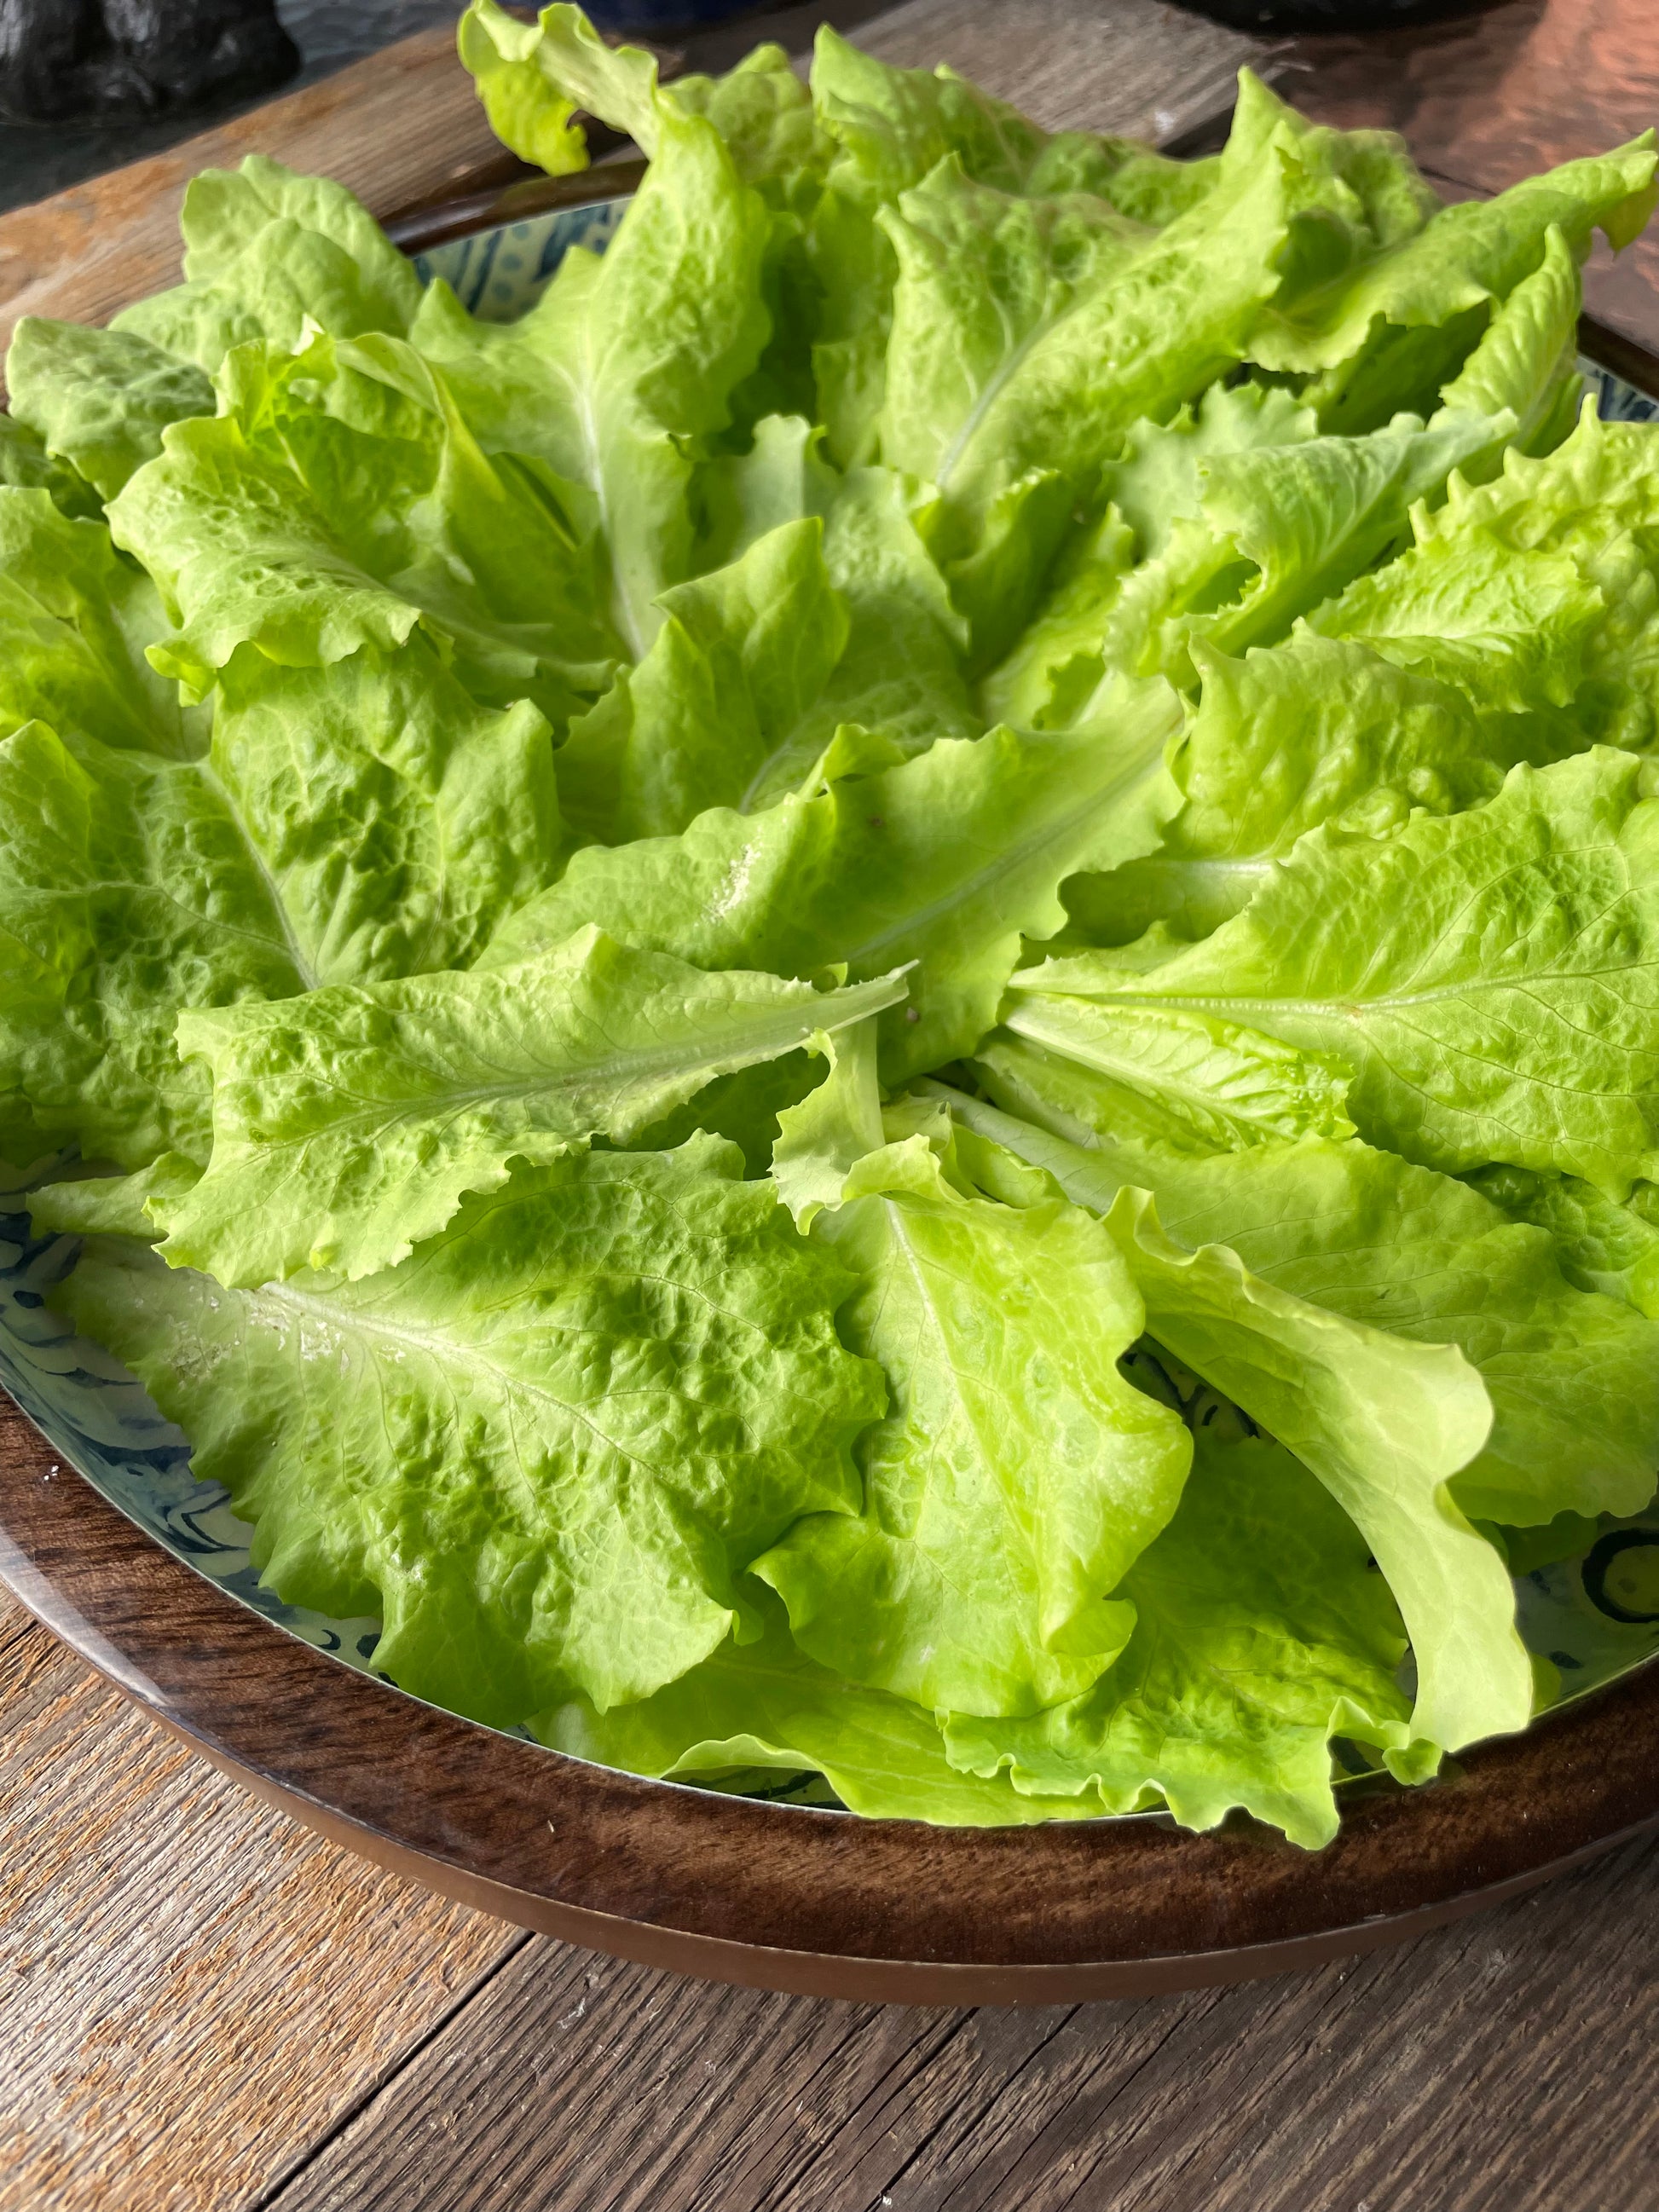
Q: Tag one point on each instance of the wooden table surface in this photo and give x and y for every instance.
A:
(204, 2008)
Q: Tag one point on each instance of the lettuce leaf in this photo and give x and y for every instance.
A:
(399, 820)
(1488, 979)
(348, 1124)
(1385, 1423)
(729, 686)
(99, 399)
(944, 860)
(758, 664)
(441, 1445)
(1017, 1474)
(75, 624)
(1572, 1378)
(766, 1706)
(1260, 1633)
(339, 502)
(627, 364)
(1089, 618)
(271, 255)
(127, 889)
(1601, 1245)
(1288, 737)
(1225, 1087)
(99, 1204)
(1383, 337)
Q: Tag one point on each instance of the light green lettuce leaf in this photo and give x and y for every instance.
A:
(269, 254)
(901, 669)
(241, 554)
(782, 477)
(1289, 737)
(759, 663)
(499, 555)
(1276, 530)
(764, 113)
(1048, 406)
(534, 78)
(1601, 1244)
(1490, 979)
(340, 501)
(1510, 630)
(1017, 1474)
(226, 209)
(739, 663)
(944, 860)
(99, 399)
(1526, 363)
(349, 1124)
(1310, 516)
(983, 274)
(1572, 1378)
(902, 672)
(1385, 1422)
(1228, 1086)
(627, 364)
(76, 621)
(26, 465)
(127, 890)
(1594, 500)
(537, 79)
(400, 822)
(766, 1706)
(1056, 665)
(1602, 482)
(542, 1449)
(1384, 336)
(114, 1206)
(1154, 484)
(890, 128)
(1262, 1632)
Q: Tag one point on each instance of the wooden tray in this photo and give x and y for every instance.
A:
(789, 1896)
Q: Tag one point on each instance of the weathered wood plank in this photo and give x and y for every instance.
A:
(192, 1988)
(1504, 2065)
(1130, 66)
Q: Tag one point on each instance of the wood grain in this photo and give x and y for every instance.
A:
(190, 1985)
(401, 129)
(1130, 66)
(1505, 2066)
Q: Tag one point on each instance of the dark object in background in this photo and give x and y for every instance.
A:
(1352, 15)
(122, 58)
(628, 17)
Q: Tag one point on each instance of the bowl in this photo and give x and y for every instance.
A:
(107, 1537)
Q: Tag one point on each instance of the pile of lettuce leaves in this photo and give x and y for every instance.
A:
(885, 1001)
